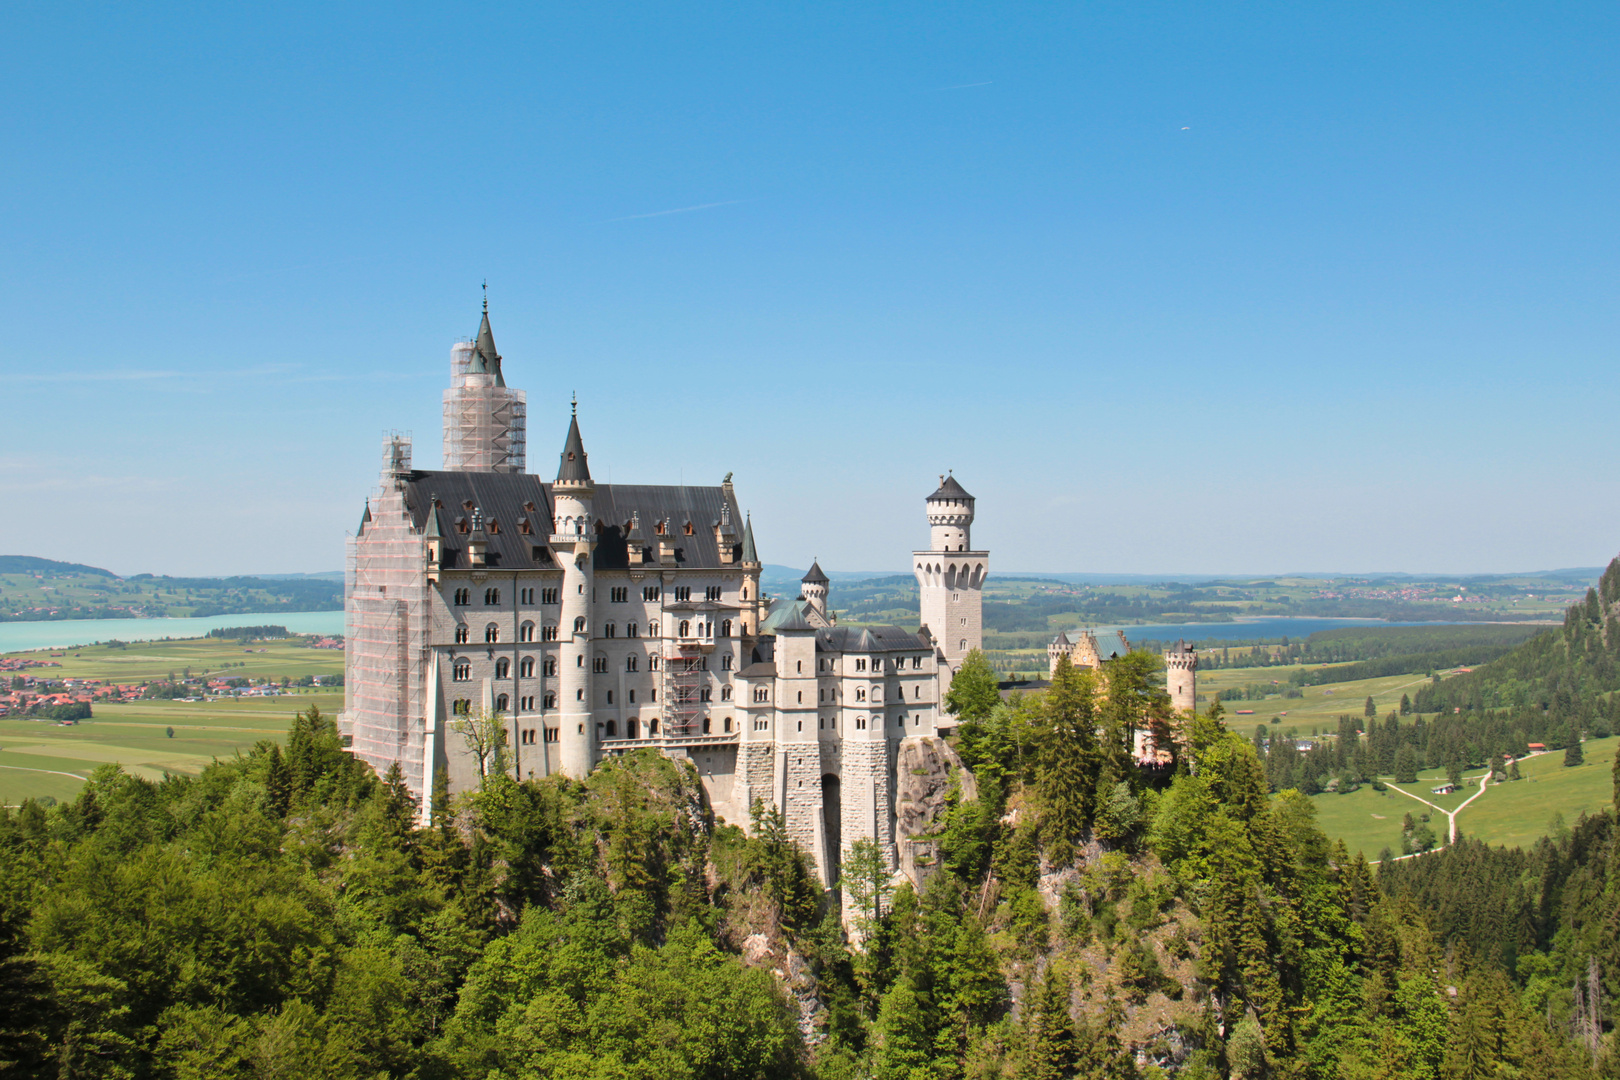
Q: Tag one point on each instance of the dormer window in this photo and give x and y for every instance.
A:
(529, 506)
(659, 528)
(462, 527)
(468, 505)
(524, 527)
(688, 528)
(493, 526)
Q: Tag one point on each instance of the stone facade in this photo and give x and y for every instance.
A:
(1181, 676)
(588, 620)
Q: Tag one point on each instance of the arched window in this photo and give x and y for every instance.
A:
(612, 729)
(461, 672)
(860, 723)
(728, 725)
(612, 630)
(725, 627)
(686, 628)
(492, 633)
(526, 667)
(461, 597)
(860, 693)
(462, 635)
(744, 629)
(632, 629)
(579, 625)
(652, 726)
(964, 644)
(492, 597)
(550, 701)
(550, 667)
(652, 629)
(799, 667)
(725, 693)
(503, 668)
(526, 632)
(461, 706)
(705, 725)
(500, 702)
(631, 729)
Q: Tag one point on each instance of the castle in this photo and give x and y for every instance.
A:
(589, 619)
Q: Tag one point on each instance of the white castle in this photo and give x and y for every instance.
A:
(592, 619)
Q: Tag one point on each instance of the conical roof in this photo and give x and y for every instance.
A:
(573, 468)
(814, 575)
(365, 519)
(749, 554)
(949, 489)
(485, 358)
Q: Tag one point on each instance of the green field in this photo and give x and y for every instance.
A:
(34, 754)
(1510, 815)
(1320, 706)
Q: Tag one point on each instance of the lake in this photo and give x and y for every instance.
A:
(1250, 629)
(62, 633)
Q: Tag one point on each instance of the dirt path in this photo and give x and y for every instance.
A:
(53, 772)
(1451, 815)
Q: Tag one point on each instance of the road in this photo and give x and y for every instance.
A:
(1451, 815)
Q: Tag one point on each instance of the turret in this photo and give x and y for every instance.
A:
(950, 516)
(813, 586)
(1181, 676)
(574, 539)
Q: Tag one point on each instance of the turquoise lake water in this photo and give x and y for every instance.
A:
(58, 634)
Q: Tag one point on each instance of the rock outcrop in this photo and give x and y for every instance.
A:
(925, 769)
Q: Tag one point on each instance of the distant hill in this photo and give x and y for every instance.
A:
(1569, 671)
(29, 564)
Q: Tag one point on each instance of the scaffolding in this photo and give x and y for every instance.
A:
(684, 671)
(386, 616)
(485, 423)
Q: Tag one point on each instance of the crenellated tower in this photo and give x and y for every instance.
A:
(813, 587)
(950, 577)
(1181, 676)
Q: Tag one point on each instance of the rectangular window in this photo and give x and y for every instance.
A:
(649, 593)
(525, 596)
(652, 662)
(712, 592)
(860, 665)
(462, 672)
(548, 633)
(619, 595)
(461, 597)
(630, 662)
(548, 596)
(725, 663)
(599, 665)
(683, 593)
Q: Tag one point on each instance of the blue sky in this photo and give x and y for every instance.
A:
(1171, 287)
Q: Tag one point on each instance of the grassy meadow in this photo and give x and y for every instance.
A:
(40, 758)
(1509, 815)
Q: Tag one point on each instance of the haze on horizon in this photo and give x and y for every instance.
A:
(1168, 285)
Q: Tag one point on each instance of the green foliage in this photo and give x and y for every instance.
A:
(973, 693)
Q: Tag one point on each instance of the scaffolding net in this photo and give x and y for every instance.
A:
(485, 425)
(387, 616)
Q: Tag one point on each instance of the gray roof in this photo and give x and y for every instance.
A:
(573, 468)
(949, 489)
(814, 575)
(1110, 643)
(869, 639)
(365, 519)
(485, 358)
(749, 553)
(1062, 639)
(503, 498)
(792, 620)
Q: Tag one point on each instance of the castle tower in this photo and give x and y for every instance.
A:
(574, 539)
(1181, 676)
(813, 586)
(950, 577)
(485, 421)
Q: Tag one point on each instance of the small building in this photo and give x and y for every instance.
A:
(1537, 747)
(1444, 789)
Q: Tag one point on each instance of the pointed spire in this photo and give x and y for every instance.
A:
(485, 358)
(573, 468)
(749, 555)
(814, 575)
(432, 530)
(365, 519)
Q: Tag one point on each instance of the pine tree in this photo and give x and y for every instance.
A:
(1049, 1042)
(1069, 760)
(1405, 766)
(1369, 710)
(1573, 754)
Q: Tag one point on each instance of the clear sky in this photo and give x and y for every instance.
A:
(1172, 287)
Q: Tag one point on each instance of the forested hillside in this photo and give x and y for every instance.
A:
(281, 916)
(1571, 671)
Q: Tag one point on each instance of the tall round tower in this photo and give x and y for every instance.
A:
(1181, 676)
(574, 539)
(950, 577)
